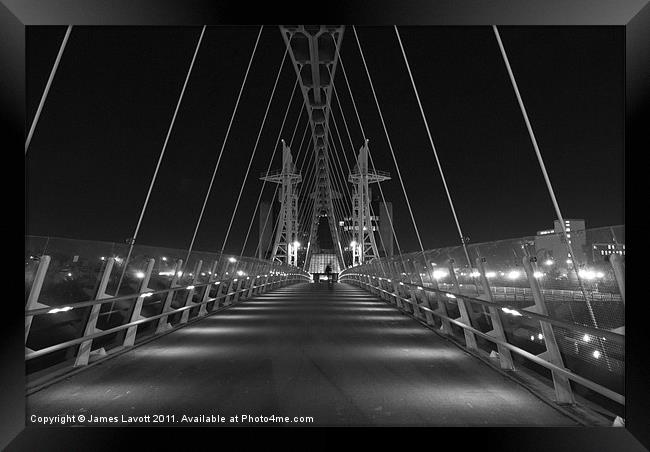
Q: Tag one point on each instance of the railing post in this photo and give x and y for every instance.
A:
(562, 386)
(83, 353)
(440, 303)
(411, 271)
(185, 315)
(253, 279)
(505, 357)
(162, 322)
(423, 293)
(129, 338)
(35, 292)
(619, 273)
(470, 338)
(395, 276)
(203, 310)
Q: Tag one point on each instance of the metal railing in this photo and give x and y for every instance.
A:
(537, 321)
(63, 327)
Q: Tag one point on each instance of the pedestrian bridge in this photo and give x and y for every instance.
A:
(525, 331)
(248, 337)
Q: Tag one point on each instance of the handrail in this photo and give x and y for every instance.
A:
(83, 304)
(531, 315)
(63, 345)
(612, 395)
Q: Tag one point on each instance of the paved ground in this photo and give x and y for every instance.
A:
(337, 354)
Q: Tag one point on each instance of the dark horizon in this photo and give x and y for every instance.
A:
(116, 89)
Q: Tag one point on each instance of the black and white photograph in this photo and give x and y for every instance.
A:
(357, 225)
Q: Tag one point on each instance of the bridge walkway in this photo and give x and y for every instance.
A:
(337, 354)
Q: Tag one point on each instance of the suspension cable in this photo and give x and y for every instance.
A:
(390, 145)
(549, 186)
(433, 147)
(47, 88)
(250, 162)
(160, 158)
(223, 146)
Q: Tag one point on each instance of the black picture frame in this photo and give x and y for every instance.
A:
(634, 15)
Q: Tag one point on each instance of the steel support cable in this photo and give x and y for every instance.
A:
(257, 204)
(308, 201)
(305, 190)
(341, 207)
(311, 171)
(340, 176)
(160, 158)
(390, 145)
(542, 166)
(277, 141)
(435, 152)
(46, 91)
(363, 133)
(257, 141)
(340, 181)
(223, 146)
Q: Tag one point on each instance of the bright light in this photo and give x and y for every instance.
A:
(439, 274)
(164, 258)
(587, 274)
(540, 336)
(600, 274)
(232, 259)
(353, 243)
(240, 273)
(449, 295)
(548, 262)
(296, 244)
(568, 261)
(511, 311)
(514, 274)
(586, 338)
(190, 287)
(475, 274)
(532, 338)
(169, 273)
(490, 274)
(63, 309)
(139, 275)
(69, 274)
(538, 275)
(179, 274)
(596, 354)
(146, 294)
(102, 258)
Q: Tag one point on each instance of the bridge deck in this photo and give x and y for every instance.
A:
(337, 354)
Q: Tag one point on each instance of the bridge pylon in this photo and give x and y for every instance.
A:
(364, 245)
(286, 245)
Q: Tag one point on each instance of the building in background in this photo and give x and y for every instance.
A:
(381, 227)
(601, 251)
(550, 243)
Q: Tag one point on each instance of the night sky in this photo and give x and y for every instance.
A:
(97, 142)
